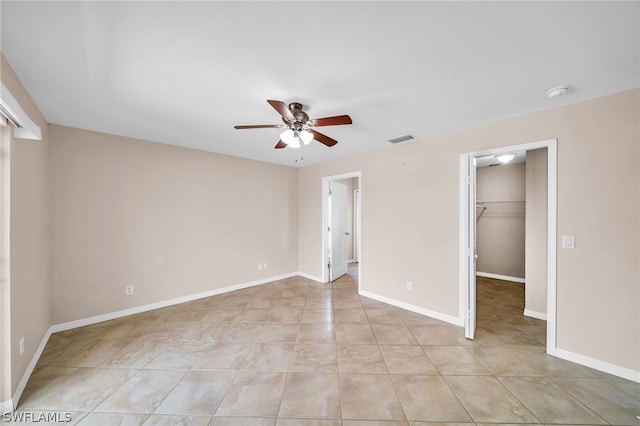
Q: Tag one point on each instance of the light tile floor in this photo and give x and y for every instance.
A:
(295, 352)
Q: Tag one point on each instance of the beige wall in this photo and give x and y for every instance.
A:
(174, 222)
(29, 241)
(500, 229)
(536, 232)
(170, 221)
(410, 226)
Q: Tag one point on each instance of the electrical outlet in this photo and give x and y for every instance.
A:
(128, 290)
(21, 344)
(265, 265)
(259, 266)
(409, 286)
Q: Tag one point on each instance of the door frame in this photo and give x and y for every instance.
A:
(468, 245)
(356, 225)
(325, 221)
(467, 210)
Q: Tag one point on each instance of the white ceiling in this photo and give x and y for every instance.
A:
(185, 73)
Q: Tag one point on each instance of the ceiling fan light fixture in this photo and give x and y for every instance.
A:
(287, 136)
(295, 143)
(295, 120)
(290, 138)
(306, 136)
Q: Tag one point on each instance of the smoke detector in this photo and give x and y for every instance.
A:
(558, 91)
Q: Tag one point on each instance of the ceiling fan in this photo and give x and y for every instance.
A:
(299, 126)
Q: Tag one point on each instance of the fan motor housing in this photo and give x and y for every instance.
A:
(298, 113)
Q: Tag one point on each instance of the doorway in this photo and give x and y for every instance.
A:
(356, 226)
(468, 246)
(355, 219)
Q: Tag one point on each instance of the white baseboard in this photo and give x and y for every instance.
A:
(413, 308)
(534, 314)
(9, 405)
(616, 370)
(309, 276)
(501, 277)
(6, 406)
(32, 365)
(145, 308)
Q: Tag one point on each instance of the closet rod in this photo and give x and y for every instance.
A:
(493, 202)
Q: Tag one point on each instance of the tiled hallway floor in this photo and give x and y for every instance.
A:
(295, 352)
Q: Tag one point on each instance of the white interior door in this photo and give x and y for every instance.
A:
(470, 323)
(337, 230)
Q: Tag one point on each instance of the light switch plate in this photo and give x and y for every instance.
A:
(568, 241)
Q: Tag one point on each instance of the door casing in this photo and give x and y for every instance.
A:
(467, 240)
(325, 204)
(356, 225)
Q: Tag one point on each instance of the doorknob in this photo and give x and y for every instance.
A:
(346, 233)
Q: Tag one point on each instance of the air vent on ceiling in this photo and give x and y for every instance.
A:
(402, 139)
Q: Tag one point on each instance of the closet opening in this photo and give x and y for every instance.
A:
(511, 246)
(507, 255)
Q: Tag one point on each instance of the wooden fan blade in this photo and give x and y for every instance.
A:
(259, 126)
(283, 109)
(280, 144)
(331, 121)
(323, 138)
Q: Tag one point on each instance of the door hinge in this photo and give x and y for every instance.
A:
(328, 228)
(330, 192)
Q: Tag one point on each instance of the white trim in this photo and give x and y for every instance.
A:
(309, 276)
(468, 247)
(463, 265)
(325, 203)
(144, 308)
(32, 365)
(535, 314)
(616, 370)
(552, 215)
(6, 406)
(9, 405)
(29, 129)
(500, 277)
(552, 211)
(357, 206)
(413, 308)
